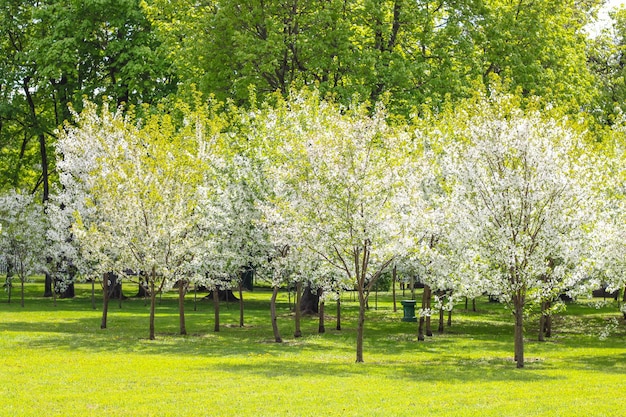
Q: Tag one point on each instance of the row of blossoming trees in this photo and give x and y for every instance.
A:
(482, 198)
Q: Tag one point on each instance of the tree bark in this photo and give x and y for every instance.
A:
(298, 331)
(360, 324)
(449, 318)
(321, 328)
(152, 303)
(518, 306)
(338, 327)
(277, 337)
(216, 309)
(93, 293)
(181, 306)
(105, 300)
(47, 291)
(240, 304)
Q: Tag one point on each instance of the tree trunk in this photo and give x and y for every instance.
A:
(181, 306)
(309, 302)
(466, 301)
(518, 305)
(47, 291)
(277, 337)
(105, 300)
(152, 303)
(360, 324)
(93, 293)
(321, 328)
(298, 332)
(240, 304)
(338, 327)
(216, 309)
(449, 318)
(394, 278)
(474, 305)
(548, 323)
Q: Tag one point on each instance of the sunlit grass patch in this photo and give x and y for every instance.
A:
(57, 359)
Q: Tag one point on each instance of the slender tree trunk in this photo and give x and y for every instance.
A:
(449, 318)
(240, 304)
(9, 289)
(412, 286)
(277, 337)
(181, 306)
(548, 323)
(152, 303)
(298, 296)
(466, 301)
(93, 293)
(105, 300)
(216, 309)
(321, 327)
(195, 297)
(22, 289)
(518, 305)
(394, 278)
(338, 327)
(360, 324)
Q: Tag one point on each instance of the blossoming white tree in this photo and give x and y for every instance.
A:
(22, 223)
(519, 196)
(140, 190)
(339, 169)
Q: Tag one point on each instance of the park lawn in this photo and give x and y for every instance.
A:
(56, 361)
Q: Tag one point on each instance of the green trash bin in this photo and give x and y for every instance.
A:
(409, 310)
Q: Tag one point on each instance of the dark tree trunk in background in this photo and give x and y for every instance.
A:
(321, 328)
(223, 295)
(142, 292)
(277, 337)
(518, 312)
(338, 327)
(216, 309)
(47, 289)
(449, 318)
(182, 289)
(309, 303)
(105, 300)
(68, 292)
(152, 303)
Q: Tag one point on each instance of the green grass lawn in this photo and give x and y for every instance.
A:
(56, 361)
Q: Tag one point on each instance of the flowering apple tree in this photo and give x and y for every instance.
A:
(339, 174)
(519, 197)
(140, 191)
(22, 223)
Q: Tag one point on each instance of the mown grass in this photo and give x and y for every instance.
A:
(56, 361)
